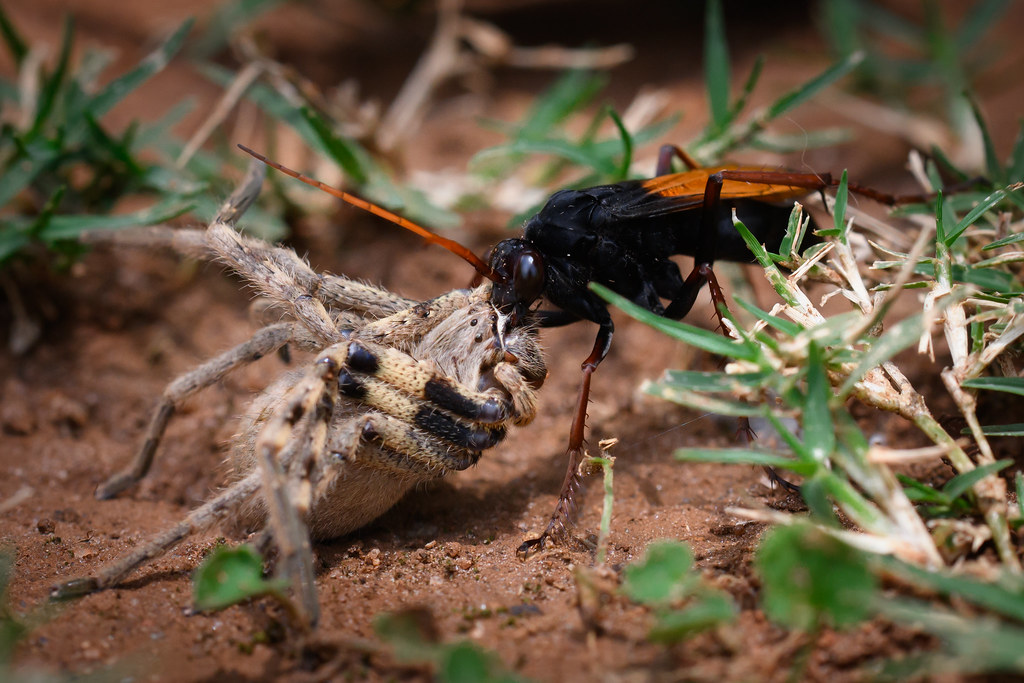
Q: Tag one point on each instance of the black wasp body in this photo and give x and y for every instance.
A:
(601, 234)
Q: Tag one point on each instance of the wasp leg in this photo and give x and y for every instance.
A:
(564, 515)
(665, 154)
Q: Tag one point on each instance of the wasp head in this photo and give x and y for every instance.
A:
(520, 269)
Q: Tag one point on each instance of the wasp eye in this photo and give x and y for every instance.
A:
(528, 276)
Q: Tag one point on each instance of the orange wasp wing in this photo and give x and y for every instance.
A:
(677, 192)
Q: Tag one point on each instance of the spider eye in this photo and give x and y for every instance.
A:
(528, 275)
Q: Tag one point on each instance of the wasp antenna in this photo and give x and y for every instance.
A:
(451, 245)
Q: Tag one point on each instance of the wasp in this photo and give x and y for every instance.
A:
(623, 236)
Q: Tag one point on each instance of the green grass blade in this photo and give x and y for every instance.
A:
(344, 152)
(694, 336)
(573, 91)
(748, 87)
(744, 456)
(1004, 596)
(53, 84)
(922, 493)
(786, 327)
(21, 174)
(702, 402)
(226, 20)
(627, 145)
(898, 337)
(716, 65)
(118, 89)
(819, 433)
(1018, 485)
(815, 493)
(992, 166)
(977, 22)
(839, 210)
(975, 213)
(1011, 385)
(1015, 164)
(69, 226)
(12, 240)
(775, 275)
(1016, 429)
(713, 382)
(15, 43)
(808, 90)
(1005, 242)
(959, 484)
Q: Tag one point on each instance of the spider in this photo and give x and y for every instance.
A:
(400, 392)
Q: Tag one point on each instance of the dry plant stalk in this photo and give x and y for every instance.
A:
(887, 388)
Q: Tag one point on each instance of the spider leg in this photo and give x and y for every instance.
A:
(200, 518)
(266, 340)
(287, 500)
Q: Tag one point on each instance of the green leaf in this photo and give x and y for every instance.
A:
(466, 663)
(408, 633)
(815, 491)
(1010, 385)
(230, 576)
(703, 613)
(811, 579)
(662, 576)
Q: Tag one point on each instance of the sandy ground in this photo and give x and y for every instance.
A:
(124, 323)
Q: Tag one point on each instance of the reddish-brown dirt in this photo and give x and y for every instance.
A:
(124, 323)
